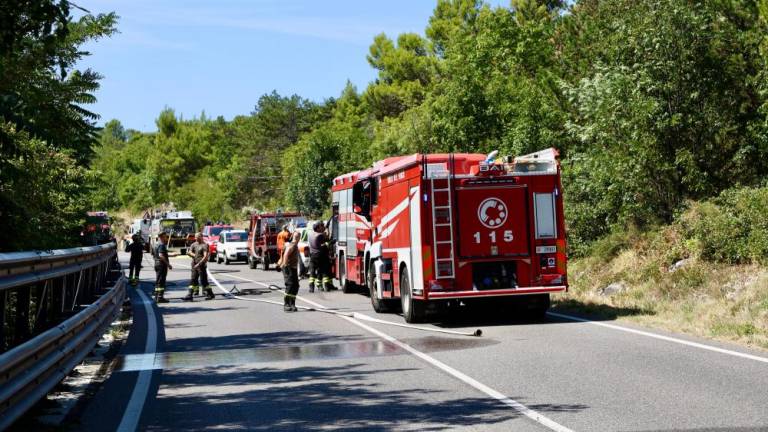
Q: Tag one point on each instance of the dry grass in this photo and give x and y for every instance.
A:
(705, 299)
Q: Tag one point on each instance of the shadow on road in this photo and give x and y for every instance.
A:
(597, 312)
(352, 396)
(500, 315)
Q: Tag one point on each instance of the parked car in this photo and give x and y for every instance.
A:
(211, 236)
(232, 246)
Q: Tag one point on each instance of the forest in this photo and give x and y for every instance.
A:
(656, 107)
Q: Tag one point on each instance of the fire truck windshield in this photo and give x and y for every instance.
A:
(178, 227)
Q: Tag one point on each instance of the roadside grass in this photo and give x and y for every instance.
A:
(727, 302)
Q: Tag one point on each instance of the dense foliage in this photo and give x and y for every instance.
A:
(45, 133)
(652, 104)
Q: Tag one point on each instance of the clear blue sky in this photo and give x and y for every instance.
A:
(220, 56)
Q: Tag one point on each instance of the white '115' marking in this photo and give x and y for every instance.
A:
(508, 237)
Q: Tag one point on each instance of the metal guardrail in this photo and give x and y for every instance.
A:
(59, 309)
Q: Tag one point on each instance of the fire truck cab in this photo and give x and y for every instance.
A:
(430, 230)
(180, 226)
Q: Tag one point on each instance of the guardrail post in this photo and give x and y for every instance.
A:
(22, 316)
(43, 304)
(57, 298)
(3, 301)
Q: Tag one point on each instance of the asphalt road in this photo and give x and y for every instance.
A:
(247, 365)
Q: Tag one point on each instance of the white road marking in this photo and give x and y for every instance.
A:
(132, 414)
(620, 328)
(517, 406)
(661, 337)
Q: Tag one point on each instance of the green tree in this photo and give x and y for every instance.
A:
(46, 134)
(664, 105)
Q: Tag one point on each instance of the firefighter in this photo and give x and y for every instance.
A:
(289, 262)
(162, 265)
(319, 259)
(283, 237)
(136, 249)
(199, 253)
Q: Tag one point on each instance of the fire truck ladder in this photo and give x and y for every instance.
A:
(442, 221)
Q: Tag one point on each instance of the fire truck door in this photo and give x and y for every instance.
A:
(493, 221)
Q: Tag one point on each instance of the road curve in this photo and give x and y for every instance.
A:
(240, 364)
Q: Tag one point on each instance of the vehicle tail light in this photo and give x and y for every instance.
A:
(552, 279)
(435, 286)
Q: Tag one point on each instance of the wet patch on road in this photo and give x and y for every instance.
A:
(436, 343)
(233, 357)
(346, 350)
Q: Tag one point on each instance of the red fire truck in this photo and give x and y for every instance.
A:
(262, 236)
(433, 230)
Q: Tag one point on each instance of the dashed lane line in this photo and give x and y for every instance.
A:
(517, 406)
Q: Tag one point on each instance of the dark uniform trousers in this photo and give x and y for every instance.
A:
(319, 270)
(199, 275)
(161, 271)
(134, 268)
(291, 278)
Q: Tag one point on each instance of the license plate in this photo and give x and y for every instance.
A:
(546, 249)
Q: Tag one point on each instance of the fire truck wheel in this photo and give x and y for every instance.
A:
(211, 257)
(379, 305)
(251, 262)
(413, 310)
(346, 286)
(538, 306)
(265, 262)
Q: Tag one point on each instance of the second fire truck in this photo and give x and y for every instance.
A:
(262, 236)
(424, 231)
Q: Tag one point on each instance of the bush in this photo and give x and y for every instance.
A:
(731, 228)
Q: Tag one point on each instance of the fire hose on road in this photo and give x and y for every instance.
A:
(319, 308)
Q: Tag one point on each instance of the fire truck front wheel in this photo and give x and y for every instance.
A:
(346, 285)
(265, 262)
(413, 310)
(379, 305)
(536, 307)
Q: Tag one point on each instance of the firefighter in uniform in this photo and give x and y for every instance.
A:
(162, 265)
(199, 253)
(289, 262)
(319, 259)
(136, 249)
